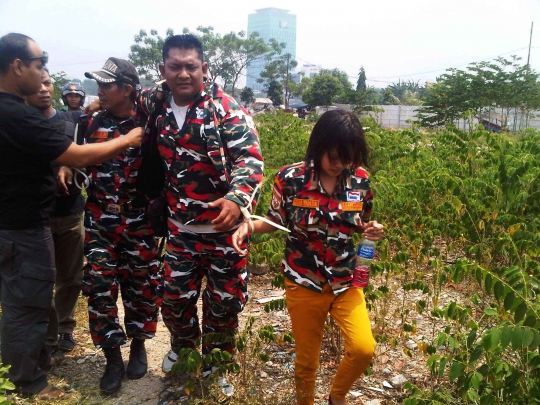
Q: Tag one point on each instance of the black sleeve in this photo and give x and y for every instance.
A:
(38, 137)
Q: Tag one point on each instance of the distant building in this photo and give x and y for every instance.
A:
(310, 70)
(270, 23)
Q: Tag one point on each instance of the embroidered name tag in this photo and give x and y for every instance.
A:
(304, 203)
(352, 206)
(100, 134)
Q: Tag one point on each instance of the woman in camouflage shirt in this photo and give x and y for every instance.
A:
(323, 201)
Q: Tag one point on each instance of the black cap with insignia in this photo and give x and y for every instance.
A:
(116, 70)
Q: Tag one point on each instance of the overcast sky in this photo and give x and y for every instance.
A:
(392, 39)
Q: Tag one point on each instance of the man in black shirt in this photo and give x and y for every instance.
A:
(28, 145)
(66, 227)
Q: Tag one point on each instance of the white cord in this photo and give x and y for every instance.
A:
(86, 181)
(248, 216)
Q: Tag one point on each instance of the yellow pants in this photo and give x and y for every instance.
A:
(308, 311)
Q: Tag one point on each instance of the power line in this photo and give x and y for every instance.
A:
(438, 70)
(78, 63)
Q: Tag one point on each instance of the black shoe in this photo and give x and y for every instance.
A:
(66, 342)
(138, 363)
(111, 382)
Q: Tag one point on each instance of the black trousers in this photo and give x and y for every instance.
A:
(27, 279)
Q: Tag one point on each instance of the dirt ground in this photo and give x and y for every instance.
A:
(269, 383)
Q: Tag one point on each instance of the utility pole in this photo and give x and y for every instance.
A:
(530, 40)
(287, 83)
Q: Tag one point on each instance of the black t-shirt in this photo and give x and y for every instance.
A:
(74, 202)
(28, 144)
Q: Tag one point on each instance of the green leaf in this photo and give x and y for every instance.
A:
(517, 338)
(442, 366)
(498, 290)
(506, 336)
(471, 337)
(456, 203)
(488, 281)
(530, 321)
(536, 340)
(509, 300)
(490, 311)
(475, 355)
(495, 337)
(528, 337)
(455, 370)
(520, 312)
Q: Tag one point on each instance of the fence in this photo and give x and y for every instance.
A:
(396, 116)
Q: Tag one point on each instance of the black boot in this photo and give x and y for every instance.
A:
(138, 363)
(111, 381)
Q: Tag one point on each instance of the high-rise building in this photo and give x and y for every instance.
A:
(270, 23)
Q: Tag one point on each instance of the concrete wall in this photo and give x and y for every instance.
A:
(396, 116)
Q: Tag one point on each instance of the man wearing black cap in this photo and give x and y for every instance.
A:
(28, 144)
(120, 246)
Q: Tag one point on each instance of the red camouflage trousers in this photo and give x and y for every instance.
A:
(189, 258)
(122, 258)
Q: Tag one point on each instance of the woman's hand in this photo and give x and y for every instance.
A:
(373, 230)
(239, 237)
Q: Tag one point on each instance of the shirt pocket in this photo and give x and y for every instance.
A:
(305, 220)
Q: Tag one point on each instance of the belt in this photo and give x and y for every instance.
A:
(118, 208)
(114, 208)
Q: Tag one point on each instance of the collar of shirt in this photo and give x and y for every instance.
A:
(344, 180)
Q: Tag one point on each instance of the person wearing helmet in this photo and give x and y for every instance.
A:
(73, 96)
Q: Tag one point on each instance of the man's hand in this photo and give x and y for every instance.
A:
(373, 230)
(135, 137)
(92, 108)
(228, 217)
(65, 179)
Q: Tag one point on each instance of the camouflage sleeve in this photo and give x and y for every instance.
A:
(277, 207)
(241, 142)
(145, 101)
(368, 204)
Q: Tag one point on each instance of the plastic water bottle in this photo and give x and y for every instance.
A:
(364, 258)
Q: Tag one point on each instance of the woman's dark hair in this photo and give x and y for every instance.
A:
(184, 41)
(338, 132)
(13, 46)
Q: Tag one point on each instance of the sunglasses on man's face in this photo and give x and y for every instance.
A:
(44, 58)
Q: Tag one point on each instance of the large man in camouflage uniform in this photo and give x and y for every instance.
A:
(120, 245)
(211, 146)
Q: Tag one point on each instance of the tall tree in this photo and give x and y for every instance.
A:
(324, 90)
(146, 53)
(347, 94)
(278, 67)
(501, 83)
(361, 82)
(59, 80)
(275, 92)
(246, 95)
